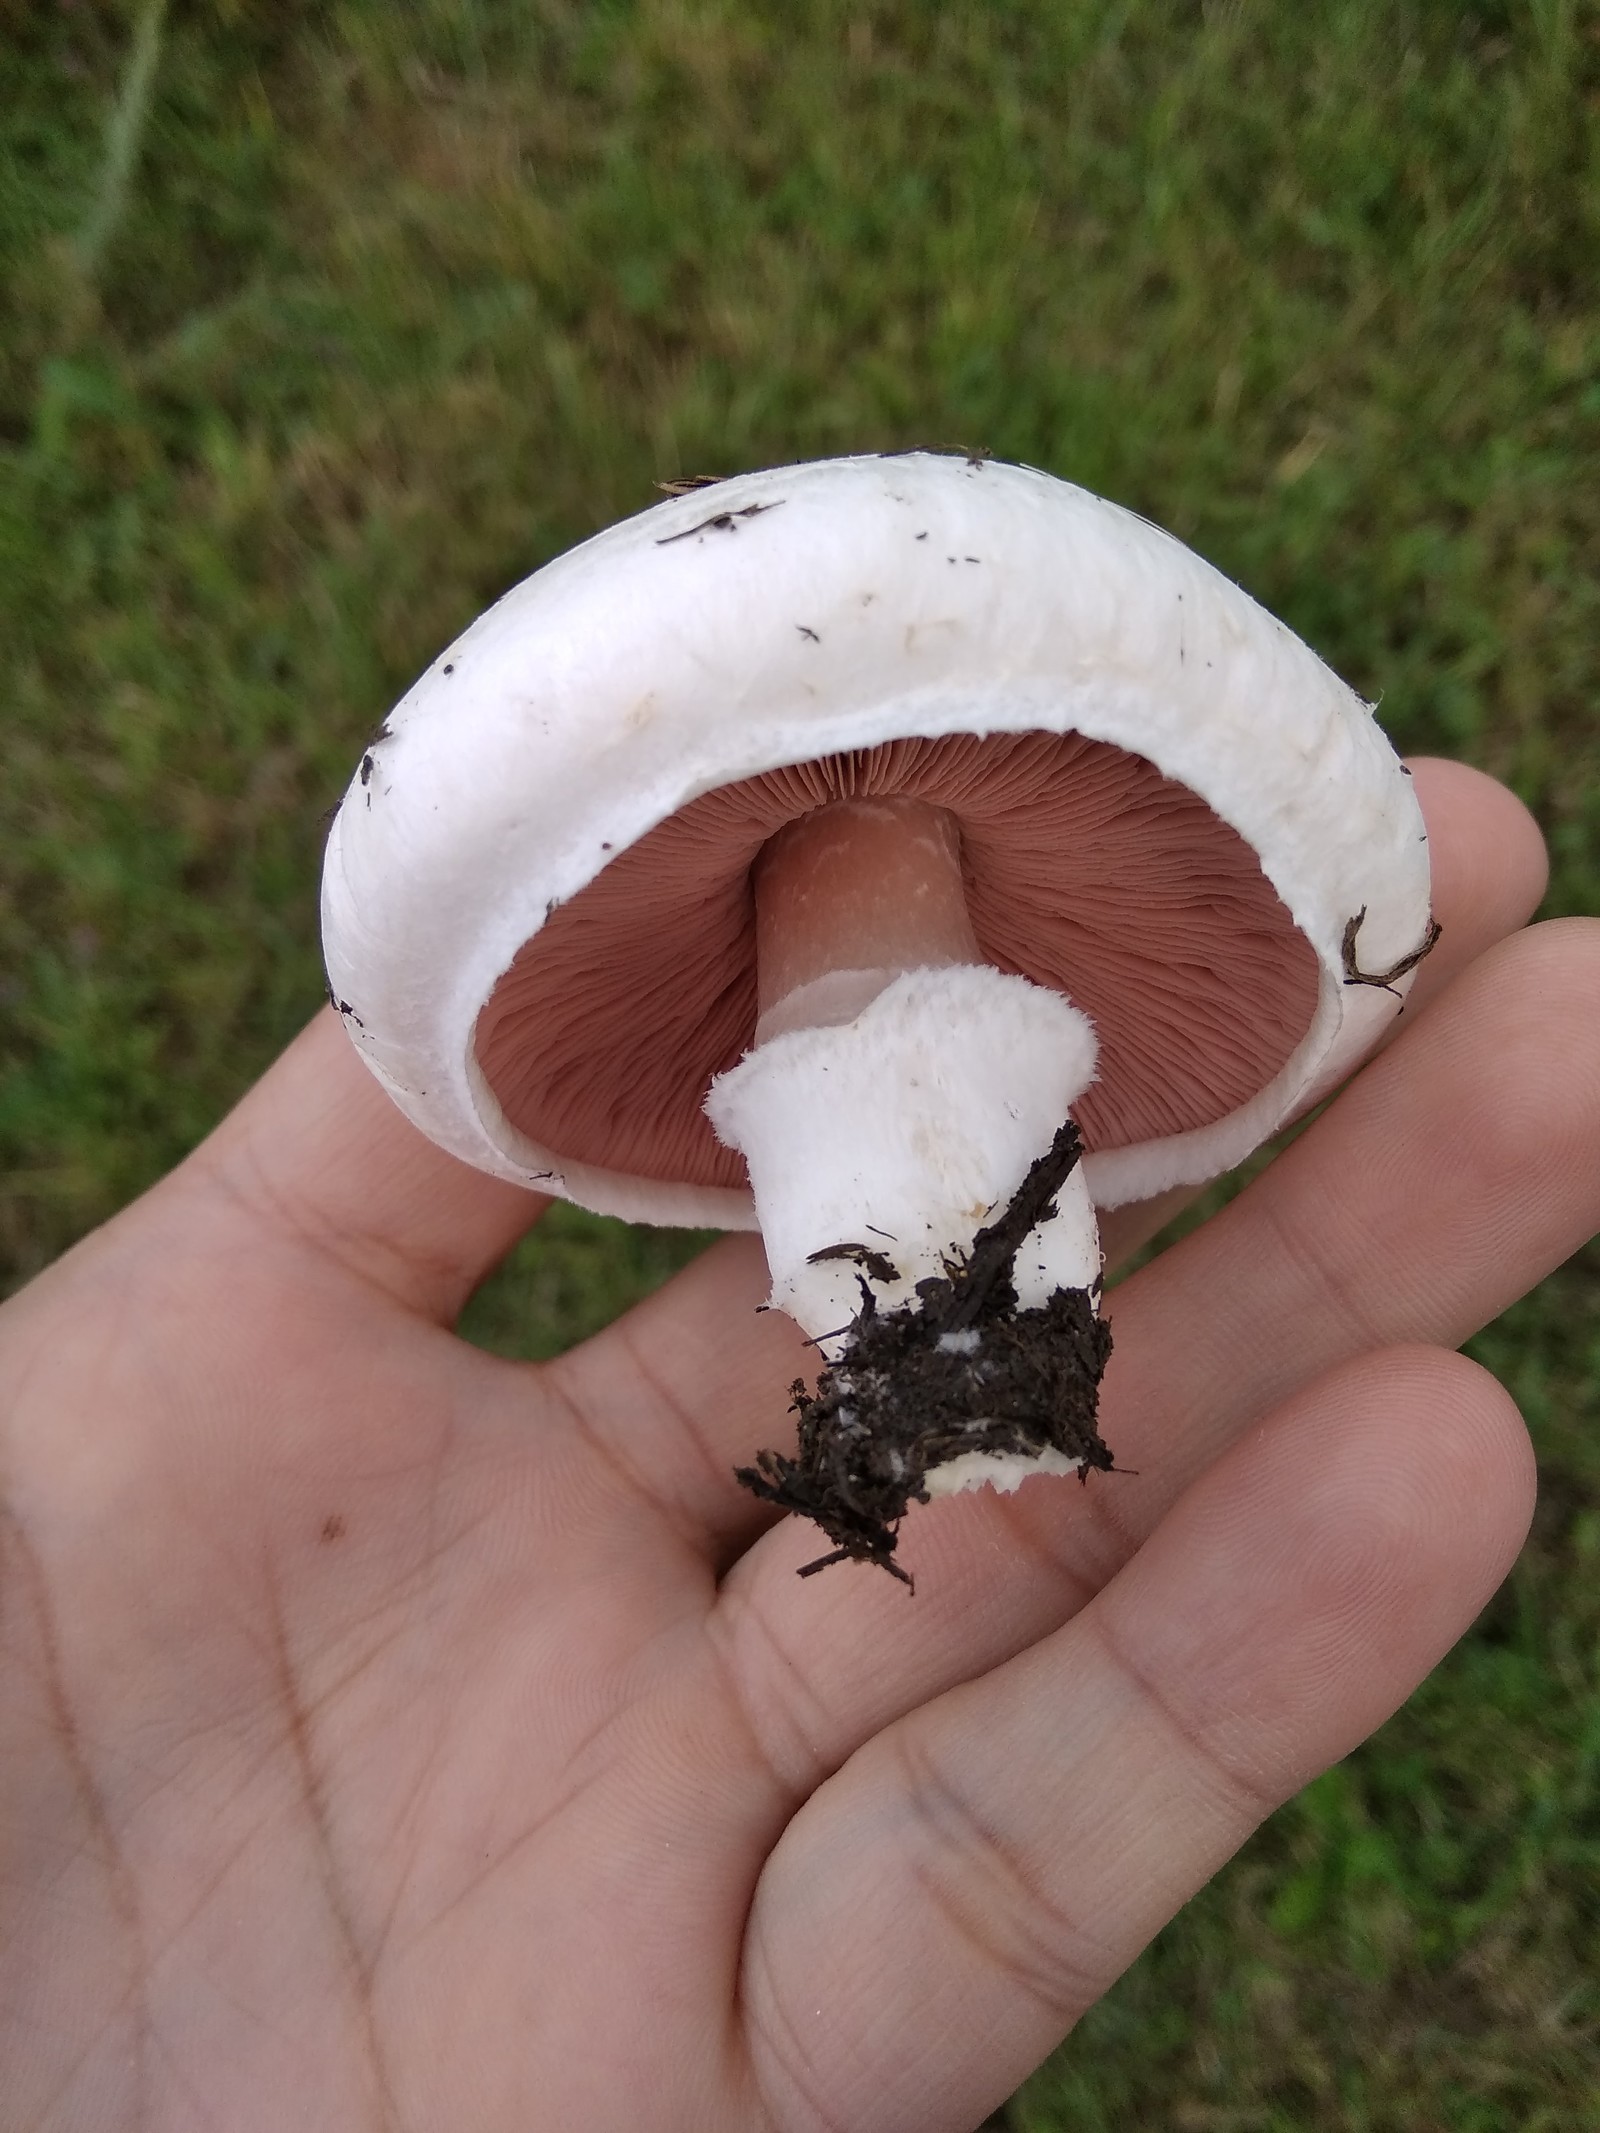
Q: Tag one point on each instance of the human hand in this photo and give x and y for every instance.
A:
(394, 1736)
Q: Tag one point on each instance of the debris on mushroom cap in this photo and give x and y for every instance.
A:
(1170, 809)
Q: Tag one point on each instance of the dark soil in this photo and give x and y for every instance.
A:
(895, 1405)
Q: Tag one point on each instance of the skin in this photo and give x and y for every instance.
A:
(392, 1736)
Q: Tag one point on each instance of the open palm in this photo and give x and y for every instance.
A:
(392, 1736)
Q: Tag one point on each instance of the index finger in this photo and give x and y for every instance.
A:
(317, 1153)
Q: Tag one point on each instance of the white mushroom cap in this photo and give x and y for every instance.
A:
(560, 769)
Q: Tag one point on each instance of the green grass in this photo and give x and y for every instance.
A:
(324, 324)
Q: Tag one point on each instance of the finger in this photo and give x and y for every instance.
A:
(1453, 1174)
(941, 1912)
(1450, 1177)
(316, 1153)
(1490, 871)
(685, 1384)
(1489, 864)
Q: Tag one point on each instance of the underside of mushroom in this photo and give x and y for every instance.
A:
(905, 1116)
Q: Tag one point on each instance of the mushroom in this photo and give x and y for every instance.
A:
(903, 855)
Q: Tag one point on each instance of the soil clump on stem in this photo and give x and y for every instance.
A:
(963, 1370)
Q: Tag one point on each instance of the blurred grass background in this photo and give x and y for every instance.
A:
(324, 323)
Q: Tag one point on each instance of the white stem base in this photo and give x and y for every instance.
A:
(1003, 1471)
(904, 1131)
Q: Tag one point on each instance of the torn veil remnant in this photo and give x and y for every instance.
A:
(754, 867)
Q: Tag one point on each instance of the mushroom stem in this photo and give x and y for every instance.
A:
(904, 1116)
(847, 897)
(899, 1088)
